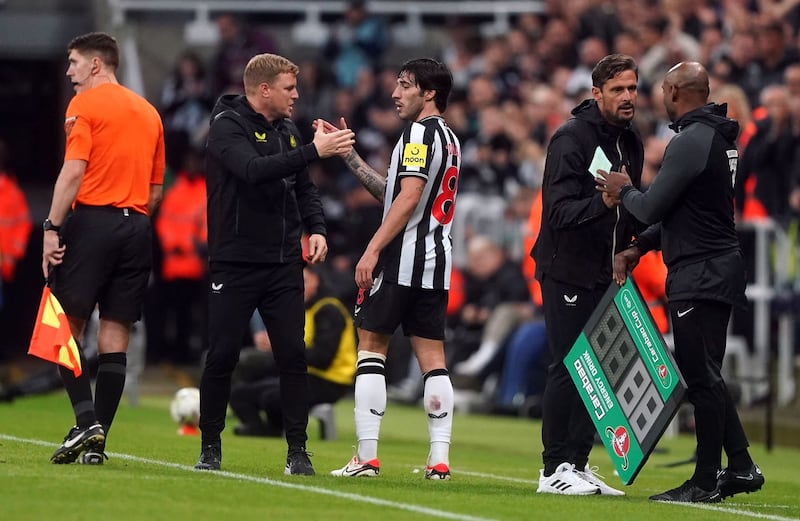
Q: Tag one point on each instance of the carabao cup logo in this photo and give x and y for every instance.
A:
(664, 375)
(620, 442)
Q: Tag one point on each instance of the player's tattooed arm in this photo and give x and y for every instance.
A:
(368, 176)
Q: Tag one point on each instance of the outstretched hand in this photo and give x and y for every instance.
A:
(332, 141)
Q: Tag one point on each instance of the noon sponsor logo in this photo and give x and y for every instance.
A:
(415, 154)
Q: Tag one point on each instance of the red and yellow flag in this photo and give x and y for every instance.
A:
(52, 339)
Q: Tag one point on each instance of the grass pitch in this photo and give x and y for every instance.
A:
(495, 463)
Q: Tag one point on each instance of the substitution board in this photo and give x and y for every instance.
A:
(626, 377)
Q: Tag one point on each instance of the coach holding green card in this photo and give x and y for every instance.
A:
(690, 209)
(580, 233)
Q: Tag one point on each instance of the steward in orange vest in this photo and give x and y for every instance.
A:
(182, 228)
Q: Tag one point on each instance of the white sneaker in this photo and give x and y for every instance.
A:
(356, 468)
(567, 481)
(590, 474)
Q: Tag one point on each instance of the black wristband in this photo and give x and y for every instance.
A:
(624, 190)
(49, 226)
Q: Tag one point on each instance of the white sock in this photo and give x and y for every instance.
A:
(370, 399)
(438, 401)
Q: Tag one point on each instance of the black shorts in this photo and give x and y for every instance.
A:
(107, 263)
(387, 305)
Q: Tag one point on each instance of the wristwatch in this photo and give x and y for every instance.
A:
(49, 226)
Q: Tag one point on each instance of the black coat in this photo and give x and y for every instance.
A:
(690, 204)
(260, 195)
(579, 234)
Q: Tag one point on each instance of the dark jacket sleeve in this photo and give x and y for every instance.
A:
(329, 325)
(685, 158)
(650, 239)
(229, 142)
(565, 207)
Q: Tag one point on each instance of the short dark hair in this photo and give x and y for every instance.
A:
(431, 75)
(101, 44)
(610, 66)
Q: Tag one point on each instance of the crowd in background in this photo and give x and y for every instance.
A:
(511, 91)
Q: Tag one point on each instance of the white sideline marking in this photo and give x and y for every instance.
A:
(266, 481)
(702, 506)
(737, 511)
(382, 502)
(494, 476)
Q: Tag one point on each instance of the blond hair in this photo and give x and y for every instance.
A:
(264, 68)
(738, 106)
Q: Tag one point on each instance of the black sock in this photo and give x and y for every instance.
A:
(79, 390)
(109, 386)
(740, 461)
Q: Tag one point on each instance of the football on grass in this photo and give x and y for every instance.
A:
(185, 406)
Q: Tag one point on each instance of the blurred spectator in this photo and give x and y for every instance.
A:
(358, 42)
(599, 21)
(628, 42)
(654, 148)
(481, 94)
(774, 51)
(737, 64)
(665, 46)
(237, 44)
(15, 221)
(738, 109)
(330, 350)
(591, 51)
(316, 98)
(175, 330)
(556, 48)
(495, 171)
(524, 371)
(185, 107)
(792, 82)
(461, 52)
(763, 180)
(651, 277)
(498, 64)
(496, 299)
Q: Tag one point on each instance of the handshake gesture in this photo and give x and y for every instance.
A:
(332, 141)
(610, 184)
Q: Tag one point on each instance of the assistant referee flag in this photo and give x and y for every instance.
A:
(52, 339)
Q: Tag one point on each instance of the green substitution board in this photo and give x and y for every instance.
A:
(626, 377)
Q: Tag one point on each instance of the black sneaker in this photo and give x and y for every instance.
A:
(298, 463)
(689, 493)
(730, 482)
(78, 440)
(210, 458)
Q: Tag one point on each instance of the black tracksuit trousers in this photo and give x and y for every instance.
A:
(276, 290)
(700, 329)
(567, 429)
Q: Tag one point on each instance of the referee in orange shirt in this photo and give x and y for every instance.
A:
(99, 254)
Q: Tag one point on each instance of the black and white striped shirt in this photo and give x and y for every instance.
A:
(421, 255)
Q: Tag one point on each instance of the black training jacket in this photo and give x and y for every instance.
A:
(690, 203)
(260, 196)
(579, 235)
